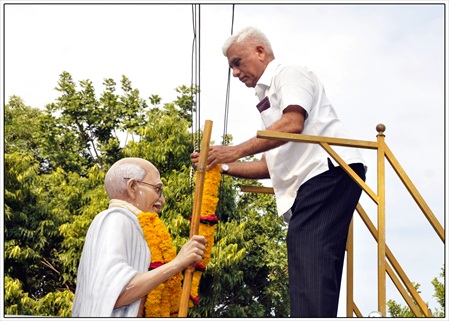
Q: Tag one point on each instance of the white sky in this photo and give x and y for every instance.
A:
(380, 63)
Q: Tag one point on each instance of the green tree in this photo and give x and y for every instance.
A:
(18, 302)
(70, 126)
(20, 123)
(81, 130)
(439, 294)
(36, 208)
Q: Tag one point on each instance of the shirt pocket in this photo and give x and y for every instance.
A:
(268, 113)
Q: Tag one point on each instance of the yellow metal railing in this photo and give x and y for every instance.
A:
(390, 267)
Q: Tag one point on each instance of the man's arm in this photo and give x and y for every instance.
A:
(292, 121)
(141, 284)
(252, 170)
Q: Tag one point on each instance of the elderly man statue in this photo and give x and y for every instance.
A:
(113, 277)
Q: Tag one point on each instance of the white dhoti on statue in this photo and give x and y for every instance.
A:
(114, 251)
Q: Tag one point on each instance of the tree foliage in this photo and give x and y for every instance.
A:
(440, 294)
(55, 162)
(397, 310)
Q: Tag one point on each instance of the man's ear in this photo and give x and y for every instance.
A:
(261, 53)
(131, 188)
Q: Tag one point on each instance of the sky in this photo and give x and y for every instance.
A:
(379, 63)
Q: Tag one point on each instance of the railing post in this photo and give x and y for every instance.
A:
(381, 268)
(350, 272)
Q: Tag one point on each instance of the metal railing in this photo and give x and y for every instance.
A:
(387, 263)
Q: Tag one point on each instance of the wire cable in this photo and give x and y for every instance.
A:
(225, 140)
(194, 89)
(195, 76)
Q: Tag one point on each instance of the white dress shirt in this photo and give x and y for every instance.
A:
(293, 163)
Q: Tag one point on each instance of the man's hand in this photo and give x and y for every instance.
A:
(195, 158)
(222, 155)
(217, 155)
(192, 251)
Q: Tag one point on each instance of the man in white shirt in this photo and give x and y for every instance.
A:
(313, 193)
(113, 277)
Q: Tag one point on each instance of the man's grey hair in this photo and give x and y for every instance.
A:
(115, 182)
(256, 37)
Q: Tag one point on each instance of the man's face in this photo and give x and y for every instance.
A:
(149, 197)
(247, 62)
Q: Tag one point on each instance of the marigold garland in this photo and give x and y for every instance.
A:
(208, 221)
(164, 300)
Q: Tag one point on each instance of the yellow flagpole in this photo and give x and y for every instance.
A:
(196, 212)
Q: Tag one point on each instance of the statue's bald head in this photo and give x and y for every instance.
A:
(131, 167)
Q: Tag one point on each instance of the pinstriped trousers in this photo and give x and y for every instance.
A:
(316, 240)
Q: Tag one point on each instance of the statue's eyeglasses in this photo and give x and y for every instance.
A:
(157, 188)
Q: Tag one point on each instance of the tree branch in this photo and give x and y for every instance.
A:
(49, 265)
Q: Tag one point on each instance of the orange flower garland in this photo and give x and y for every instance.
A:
(164, 300)
(208, 221)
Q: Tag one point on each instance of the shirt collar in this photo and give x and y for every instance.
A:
(122, 204)
(264, 81)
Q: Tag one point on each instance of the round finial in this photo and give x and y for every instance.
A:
(375, 314)
(380, 128)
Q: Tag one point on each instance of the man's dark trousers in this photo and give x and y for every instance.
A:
(316, 240)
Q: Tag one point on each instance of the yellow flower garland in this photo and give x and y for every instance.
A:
(207, 227)
(164, 300)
